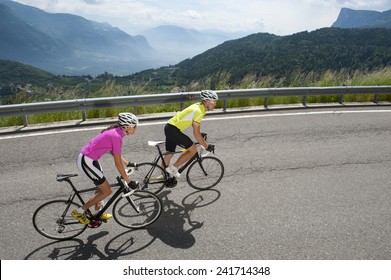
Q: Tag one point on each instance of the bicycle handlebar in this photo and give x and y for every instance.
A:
(207, 151)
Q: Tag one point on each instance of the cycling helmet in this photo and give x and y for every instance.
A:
(209, 95)
(127, 119)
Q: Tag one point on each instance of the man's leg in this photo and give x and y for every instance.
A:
(186, 156)
(167, 158)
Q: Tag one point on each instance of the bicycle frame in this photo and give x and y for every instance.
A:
(202, 171)
(183, 167)
(77, 193)
(134, 209)
(160, 156)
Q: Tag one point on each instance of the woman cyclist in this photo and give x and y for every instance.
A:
(191, 116)
(109, 140)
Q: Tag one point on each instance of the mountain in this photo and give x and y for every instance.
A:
(349, 18)
(176, 43)
(69, 44)
(265, 54)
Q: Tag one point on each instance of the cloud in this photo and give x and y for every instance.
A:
(281, 17)
(93, 1)
(193, 15)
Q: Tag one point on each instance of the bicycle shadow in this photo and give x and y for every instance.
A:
(174, 228)
(73, 249)
(78, 249)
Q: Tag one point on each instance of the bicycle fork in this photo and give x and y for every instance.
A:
(135, 206)
(199, 160)
(197, 157)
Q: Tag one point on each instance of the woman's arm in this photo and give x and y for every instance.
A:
(119, 164)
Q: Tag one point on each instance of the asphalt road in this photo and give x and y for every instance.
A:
(306, 184)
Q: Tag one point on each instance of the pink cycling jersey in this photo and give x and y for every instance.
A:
(108, 141)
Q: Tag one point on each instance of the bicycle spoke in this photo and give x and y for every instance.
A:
(137, 211)
(150, 176)
(205, 173)
(49, 220)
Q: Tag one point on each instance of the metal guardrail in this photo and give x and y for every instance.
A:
(139, 100)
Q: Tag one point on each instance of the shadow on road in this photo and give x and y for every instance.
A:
(174, 228)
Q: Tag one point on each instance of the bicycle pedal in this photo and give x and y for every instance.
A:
(95, 223)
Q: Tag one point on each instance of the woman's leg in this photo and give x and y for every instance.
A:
(104, 190)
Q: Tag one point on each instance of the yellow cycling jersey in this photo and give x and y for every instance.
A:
(185, 118)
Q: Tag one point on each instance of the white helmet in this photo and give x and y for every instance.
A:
(209, 95)
(127, 119)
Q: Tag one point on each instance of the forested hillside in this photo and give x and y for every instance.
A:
(264, 54)
(246, 62)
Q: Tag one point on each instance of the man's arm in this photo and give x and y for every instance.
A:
(197, 134)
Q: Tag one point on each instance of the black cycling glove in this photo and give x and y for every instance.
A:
(211, 148)
(133, 185)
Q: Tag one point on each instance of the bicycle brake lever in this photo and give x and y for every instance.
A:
(206, 152)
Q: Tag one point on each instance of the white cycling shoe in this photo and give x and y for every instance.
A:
(172, 170)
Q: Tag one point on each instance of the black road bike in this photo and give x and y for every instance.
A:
(134, 210)
(203, 171)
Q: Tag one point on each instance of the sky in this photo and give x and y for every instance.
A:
(279, 17)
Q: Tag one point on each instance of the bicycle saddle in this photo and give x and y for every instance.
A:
(62, 177)
(155, 143)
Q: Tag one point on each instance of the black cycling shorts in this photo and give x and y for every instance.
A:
(174, 137)
(91, 168)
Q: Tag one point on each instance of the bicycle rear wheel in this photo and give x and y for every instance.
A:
(138, 210)
(151, 177)
(54, 220)
(205, 173)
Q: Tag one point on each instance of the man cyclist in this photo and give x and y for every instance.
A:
(191, 116)
(108, 141)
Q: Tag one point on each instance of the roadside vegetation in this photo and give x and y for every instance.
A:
(110, 86)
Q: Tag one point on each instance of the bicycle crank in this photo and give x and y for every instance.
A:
(171, 182)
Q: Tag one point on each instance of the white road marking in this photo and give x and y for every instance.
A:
(208, 118)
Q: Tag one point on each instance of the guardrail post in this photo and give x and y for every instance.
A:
(225, 106)
(341, 99)
(266, 102)
(25, 122)
(84, 115)
(376, 98)
(304, 102)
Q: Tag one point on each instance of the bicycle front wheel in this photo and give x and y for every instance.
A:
(205, 173)
(54, 220)
(138, 210)
(151, 177)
